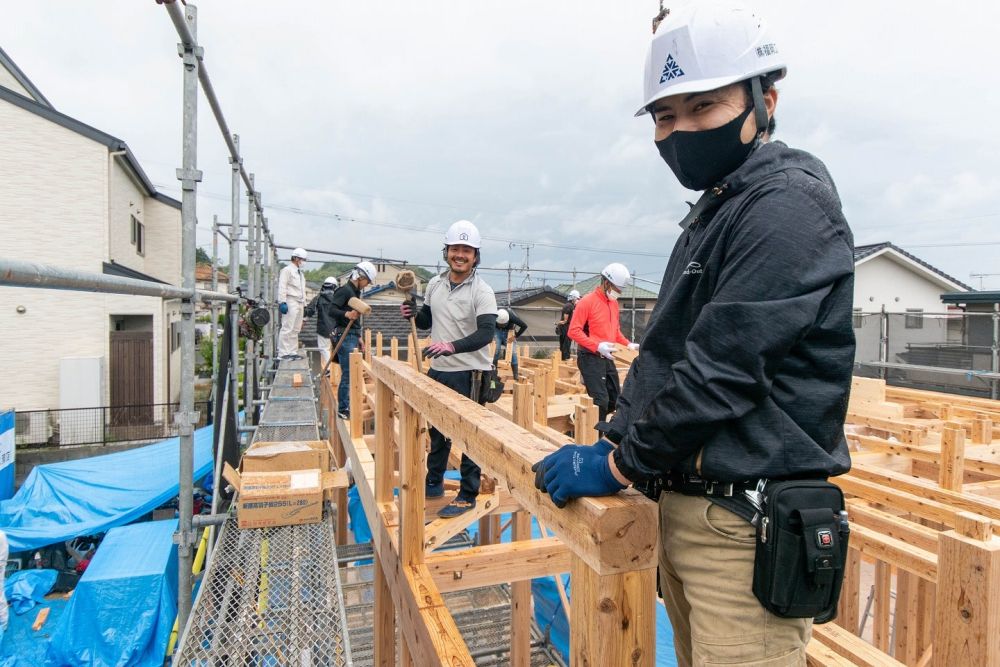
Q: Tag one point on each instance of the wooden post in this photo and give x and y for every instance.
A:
(883, 602)
(520, 602)
(553, 373)
(540, 385)
(613, 617)
(848, 615)
(585, 416)
(967, 609)
(982, 429)
(385, 614)
(394, 348)
(356, 394)
(368, 345)
(523, 409)
(412, 473)
(951, 472)
(378, 345)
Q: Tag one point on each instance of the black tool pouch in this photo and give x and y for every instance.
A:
(490, 386)
(802, 539)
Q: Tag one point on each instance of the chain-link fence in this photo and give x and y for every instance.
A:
(99, 426)
(949, 352)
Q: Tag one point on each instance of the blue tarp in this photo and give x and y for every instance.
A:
(59, 501)
(26, 588)
(123, 608)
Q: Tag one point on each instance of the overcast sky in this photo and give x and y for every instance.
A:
(517, 115)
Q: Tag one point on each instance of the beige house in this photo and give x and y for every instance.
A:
(75, 197)
(203, 282)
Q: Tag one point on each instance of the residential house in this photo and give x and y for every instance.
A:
(203, 282)
(76, 197)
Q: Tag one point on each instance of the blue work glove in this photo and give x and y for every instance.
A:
(283, 308)
(574, 471)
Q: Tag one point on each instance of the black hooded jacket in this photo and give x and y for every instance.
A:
(325, 323)
(748, 354)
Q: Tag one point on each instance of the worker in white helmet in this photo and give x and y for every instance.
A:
(362, 275)
(508, 321)
(291, 303)
(460, 309)
(562, 326)
(596, 329)
(743, 377)
(325, 324)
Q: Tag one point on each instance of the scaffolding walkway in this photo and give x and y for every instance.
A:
(272, 596)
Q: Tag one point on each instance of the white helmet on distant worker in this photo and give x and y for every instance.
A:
(330, 280)
(300, 253)
(463, 232)
(574, 294)
(503, 316)
(706, 45)
(366, 269)
(617, 274)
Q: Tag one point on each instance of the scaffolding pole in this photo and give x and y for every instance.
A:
(214, 329)
(234, 282)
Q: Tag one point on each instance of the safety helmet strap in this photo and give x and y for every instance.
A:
(759, 109)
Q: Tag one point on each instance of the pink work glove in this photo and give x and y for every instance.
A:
(406, 309)
(435, 350)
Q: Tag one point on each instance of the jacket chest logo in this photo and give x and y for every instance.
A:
(693, 268)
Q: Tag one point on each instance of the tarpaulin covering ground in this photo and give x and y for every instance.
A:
(59, 501)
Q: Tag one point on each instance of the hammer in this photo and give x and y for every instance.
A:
(361, 307)
(406, 281)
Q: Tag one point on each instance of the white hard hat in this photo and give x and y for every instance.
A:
(366, 268)
(300, 252)
(463, 232)
(503, 316)
(707, 45)
(574, 294)
(617, 274)
(330, 280)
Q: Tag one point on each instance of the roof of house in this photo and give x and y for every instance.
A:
(863, 253)
(991, 296)
(22, 78)
(522, 294)
(584, 286)
(385, 318)
(45, 110)
(203, 273)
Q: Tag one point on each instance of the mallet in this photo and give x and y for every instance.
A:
(362, 308)
(406, 281)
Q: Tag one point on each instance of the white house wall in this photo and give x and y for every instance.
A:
(7, 80)
(881, 281)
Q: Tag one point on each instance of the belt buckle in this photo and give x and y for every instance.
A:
(726, 488)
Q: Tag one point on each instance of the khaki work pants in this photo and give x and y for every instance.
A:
(706, 575)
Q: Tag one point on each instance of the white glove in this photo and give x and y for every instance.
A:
(605, 349)
(633, 346)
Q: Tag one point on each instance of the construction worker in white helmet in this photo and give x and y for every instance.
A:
(562, 326)
(291, 303)
(460, 309)
(740, 388)
(325, 324)
(596, 329)
(362, 275)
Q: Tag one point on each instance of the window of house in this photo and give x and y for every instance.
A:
(859, 319)
(138, 236)
(914, 318)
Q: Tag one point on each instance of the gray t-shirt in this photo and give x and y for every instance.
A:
(453, 316)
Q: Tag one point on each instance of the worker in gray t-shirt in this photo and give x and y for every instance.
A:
(460, 309)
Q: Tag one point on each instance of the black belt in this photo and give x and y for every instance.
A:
(693, 485)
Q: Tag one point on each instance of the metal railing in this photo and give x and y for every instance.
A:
(101, 425)
(950, 352)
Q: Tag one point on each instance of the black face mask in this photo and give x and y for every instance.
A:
(702, 159)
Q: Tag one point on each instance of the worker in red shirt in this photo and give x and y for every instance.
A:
(596, 329)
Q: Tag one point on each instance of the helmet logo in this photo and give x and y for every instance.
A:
(463, 236)
(671, 70)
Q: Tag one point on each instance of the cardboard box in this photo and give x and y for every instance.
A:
(262, 450)
(288, 498)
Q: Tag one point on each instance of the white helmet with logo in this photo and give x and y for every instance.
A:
(367, 269)
(617, 274)
(707, 45)
(300, 253)
(503, 316)
(574, 294)
(463, 232)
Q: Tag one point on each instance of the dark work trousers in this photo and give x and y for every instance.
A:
(565, 342)
(437, 460)
(600, 377)
(350, 344)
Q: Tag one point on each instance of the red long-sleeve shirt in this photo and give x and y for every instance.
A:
(600, 315)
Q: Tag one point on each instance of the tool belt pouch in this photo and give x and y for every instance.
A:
(801, 549)
(490, 387)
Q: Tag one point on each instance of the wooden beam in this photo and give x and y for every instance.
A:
(385, 620)
(871, 543)
(613, 617)
(852, 647)
(439, 531)
(893, 526)
(475, 567)
(613, 534)
(988, 507)
(930, 454)
(520, 600)
(412, 473)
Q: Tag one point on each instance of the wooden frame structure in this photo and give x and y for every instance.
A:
(608, 544)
